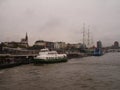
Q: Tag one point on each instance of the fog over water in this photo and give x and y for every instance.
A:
(59, 20)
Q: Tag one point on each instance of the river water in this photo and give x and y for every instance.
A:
(89, 73)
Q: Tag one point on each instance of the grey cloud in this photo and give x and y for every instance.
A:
(59, 19)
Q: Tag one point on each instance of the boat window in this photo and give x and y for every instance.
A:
(52, 52)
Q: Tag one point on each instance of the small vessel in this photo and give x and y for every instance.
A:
(98, 52)
(45, 57)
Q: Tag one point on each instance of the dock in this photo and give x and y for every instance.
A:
(9, 60)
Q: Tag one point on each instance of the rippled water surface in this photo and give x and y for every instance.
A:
(89, 73)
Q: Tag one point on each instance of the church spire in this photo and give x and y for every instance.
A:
(26, 38)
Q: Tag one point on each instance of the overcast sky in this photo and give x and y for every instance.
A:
(60, 20)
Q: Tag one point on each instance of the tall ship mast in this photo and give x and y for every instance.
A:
(87, 37)
(84, 34)
(88, 40)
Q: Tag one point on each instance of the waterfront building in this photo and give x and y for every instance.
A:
(40, 44)
(116, 45)
(24, 41)
(59, 45)
(77, 45)
(74, 46)
(99, 44)
(49, 45)
(44, 44)
(1, 47)
(22, 44)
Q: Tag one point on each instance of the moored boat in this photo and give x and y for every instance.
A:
(45, 57)
(98, 52)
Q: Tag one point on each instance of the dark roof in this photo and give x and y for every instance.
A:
(39, 41)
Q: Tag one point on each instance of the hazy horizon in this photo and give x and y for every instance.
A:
(60, 20)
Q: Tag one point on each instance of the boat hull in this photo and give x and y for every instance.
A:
(98, 52)
(49, 61)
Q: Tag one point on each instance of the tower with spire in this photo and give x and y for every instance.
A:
(26, 38)
(24, 41)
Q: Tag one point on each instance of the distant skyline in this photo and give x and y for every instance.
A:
(60, 20)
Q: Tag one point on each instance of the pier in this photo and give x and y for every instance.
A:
(12, 57)
(8, 60)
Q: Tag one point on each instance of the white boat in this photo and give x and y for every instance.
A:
(46, 56)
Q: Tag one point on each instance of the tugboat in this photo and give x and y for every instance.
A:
(46, 57)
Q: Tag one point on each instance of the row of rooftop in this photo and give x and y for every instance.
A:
(51, 45)
(41, 44)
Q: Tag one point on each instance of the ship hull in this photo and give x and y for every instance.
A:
(98, 52)
(49, 61)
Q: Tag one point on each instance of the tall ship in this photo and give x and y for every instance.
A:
(45, 57)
